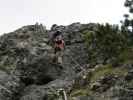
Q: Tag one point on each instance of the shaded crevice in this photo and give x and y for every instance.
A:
(40, 81)
(44, 80)
(27, 81)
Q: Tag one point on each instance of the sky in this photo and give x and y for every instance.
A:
(17, 13)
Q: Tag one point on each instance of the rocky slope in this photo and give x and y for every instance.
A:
(28, 73)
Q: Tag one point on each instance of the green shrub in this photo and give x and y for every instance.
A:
(105, 43)
(107, 70)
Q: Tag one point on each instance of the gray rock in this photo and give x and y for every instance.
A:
(51, 91)
(9, 85)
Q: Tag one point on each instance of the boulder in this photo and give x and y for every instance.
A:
(51, 91)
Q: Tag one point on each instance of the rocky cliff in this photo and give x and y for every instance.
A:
(28, 73)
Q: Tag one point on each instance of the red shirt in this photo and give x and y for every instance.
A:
(59, 44)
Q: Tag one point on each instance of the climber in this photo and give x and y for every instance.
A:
(58, 46)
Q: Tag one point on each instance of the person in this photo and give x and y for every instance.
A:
(58, 46)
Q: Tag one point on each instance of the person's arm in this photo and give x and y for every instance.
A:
(64, 44)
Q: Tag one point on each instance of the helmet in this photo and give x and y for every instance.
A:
(58, 32)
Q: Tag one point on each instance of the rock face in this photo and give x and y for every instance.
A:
(9, 86)
(51, 91)
(27, 53)
(27, 71)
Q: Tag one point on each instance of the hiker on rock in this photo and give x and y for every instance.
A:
(58, 46)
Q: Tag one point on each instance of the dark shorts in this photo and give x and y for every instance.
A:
(57, 50)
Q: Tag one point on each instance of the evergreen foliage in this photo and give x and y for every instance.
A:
(107, 42)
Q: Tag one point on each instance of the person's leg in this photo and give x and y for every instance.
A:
(55, 56)
(60, 57)
(60, 60)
